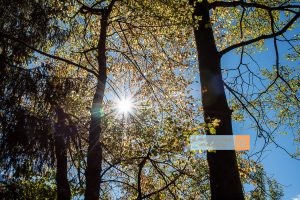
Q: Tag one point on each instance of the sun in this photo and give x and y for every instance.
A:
(125, 105)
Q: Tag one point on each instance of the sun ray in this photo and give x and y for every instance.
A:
(125, 106)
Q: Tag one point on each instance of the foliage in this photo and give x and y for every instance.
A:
(151, 58)
(33, 188)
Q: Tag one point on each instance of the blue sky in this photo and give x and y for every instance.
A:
(277, 163)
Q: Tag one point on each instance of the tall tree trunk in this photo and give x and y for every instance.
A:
(225, 182)
(63, 187)
(94, 155)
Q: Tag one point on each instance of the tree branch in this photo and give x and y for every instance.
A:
(262, 37)
(87, 9)
(48, 55)
(163, 188)
(141, 166)
(216, 4)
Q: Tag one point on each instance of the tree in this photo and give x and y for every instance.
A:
(220, 27)
(224, 176)
(26, 132)
(146, 46)
(94, 154)
(31, 95)
(40, 188)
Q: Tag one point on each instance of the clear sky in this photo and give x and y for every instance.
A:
(277, 163)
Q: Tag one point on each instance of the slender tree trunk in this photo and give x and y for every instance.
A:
(94, 156)
(225, 182)
(63, 187)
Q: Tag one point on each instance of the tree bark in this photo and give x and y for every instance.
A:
(94, 155)
(225, 182)
(63, 187)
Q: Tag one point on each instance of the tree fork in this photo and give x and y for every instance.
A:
(225, 181)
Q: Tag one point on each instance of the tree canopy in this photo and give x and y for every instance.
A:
(99, 98)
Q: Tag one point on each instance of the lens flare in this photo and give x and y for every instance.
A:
(125, 106)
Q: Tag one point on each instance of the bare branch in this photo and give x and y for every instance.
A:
(216, 4)
(262, 37)
(87, 9)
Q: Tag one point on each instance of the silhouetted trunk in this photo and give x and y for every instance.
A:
(225, 182)
(63, 187)
(94, 155)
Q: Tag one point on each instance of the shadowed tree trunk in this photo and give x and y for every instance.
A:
(63, 187)
(94, 155)
(225, 182)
